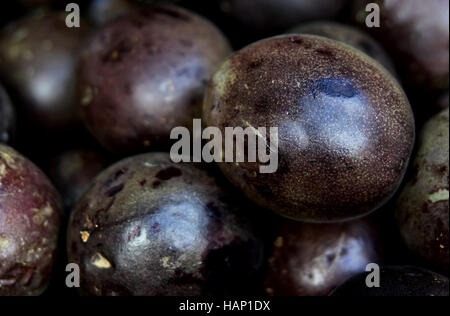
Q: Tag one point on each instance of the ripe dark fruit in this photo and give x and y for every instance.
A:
(38, 58)
(73, 171)
(148, 226)
(422, 208)
(271, 16)
(397, 281)
(145, 73)
(30, 211)
(313, 259)
(7, 117)
(350, 36)
(417, 34)
(345, 127)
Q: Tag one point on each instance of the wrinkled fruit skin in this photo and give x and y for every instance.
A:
(417, 34)
(313, 259)
(422, 208)
(73, 171)
(350, 36)
(270, 16)
(145, 73)
(148, 226)
(344, 137)
(38, 60)
(7, 118)
(397, 281)
(30, 211)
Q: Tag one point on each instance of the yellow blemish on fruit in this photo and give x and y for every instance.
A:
(441, 195)
(100, 262)
(84, 236)
(279, 242)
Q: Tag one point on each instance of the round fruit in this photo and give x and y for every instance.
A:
(422, 208)
(30, 211)
(313, 259)
(7, 117)
(38, 59)
(145, 73)
(397, 281)
(350, 36)
(73, 171)
(345, 127)
(417, 34)
(271, 16)
(148, 226)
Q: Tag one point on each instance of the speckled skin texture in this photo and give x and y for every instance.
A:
(422, 208)
(73, 171)
(271, 16)
(7, 118)
(148, 226)
(345, 127)
(417, 34)
(350, 36)
(30, 211)
(313, 259)
(397, 281)
(38, 58)
(145, 73)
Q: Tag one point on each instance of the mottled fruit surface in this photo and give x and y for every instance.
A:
(345, 127)
(30, 211)
(313, 259)
(145, 73)
(349, 35)
(416, 32)
(271, 16)
(148, 226)
(38, 60)
(7, 117)
(422, 209)
(73, 171)
(397, 281)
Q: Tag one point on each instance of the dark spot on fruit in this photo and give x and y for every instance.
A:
(255, 64)
(213, 210)
(330, 258)
(115, 177)
(156, 184)
(168, 173)
(156, 227)
(297, 40)
(114, 190)
(325, 52)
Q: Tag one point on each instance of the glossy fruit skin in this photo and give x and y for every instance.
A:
(397, 281)
(148, 226)
(422, 208)
(72, 172)
(313, 259)
(145, 73)
(271, 16)
(348, 35)
(417, 35)
(7, 118)
(30, 212)
(38, 60)
(318, 93)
